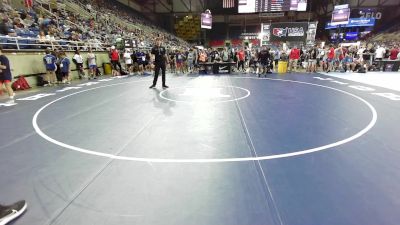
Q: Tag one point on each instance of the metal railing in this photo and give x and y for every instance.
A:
(26, 43)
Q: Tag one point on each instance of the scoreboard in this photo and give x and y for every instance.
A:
(254, 6)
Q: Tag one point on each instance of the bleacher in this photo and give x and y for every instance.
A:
(108, 27)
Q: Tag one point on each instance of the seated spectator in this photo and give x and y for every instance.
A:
(18, 24)
(5, 29)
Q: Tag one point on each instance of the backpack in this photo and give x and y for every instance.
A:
(20, 84)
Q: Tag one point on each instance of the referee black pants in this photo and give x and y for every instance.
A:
(157, 72)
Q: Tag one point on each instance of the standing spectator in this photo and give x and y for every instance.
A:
(331, 58)
(148, 63)
(225, 55)
(5, 76)
(91, 57)
(114, 54)
(128, 61)
(241, 55)
(190, 60)
(51, 67)
(263, 59)
(78, 60)
(277, 57)
(294, 57)
(65, 68)
(312, 60)
(393, 53)
(141, 58)
(379, 54)
(172, 61)
(179, 61)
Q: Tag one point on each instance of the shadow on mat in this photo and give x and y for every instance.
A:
(162, 104)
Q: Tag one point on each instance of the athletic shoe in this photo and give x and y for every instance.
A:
(11, 212)
(165, 86)
(152, 86)
(11, 101)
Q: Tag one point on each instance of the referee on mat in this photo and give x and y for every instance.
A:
(159, 63)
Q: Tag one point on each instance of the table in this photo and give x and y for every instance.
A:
(218, 67)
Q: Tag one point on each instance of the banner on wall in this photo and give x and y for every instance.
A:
(206, 20)
(288, 31)
(311, 32)
(265, 33)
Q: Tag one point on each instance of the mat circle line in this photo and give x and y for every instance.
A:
(370, 125)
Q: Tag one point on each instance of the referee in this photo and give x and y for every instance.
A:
(160, 63)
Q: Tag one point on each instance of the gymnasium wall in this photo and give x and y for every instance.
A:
(30, 64)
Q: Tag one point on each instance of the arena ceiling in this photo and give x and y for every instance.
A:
(320, 7)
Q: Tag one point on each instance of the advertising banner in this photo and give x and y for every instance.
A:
(311, 32)
(361, 22)
(206, 21)
(289, 31)
(265, 31)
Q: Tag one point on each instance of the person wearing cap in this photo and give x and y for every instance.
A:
(114, 54)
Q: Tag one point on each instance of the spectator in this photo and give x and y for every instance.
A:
(91, 57)
(379, 54)
(78, 60)
(128, 61)
(65, 68)
(293, 59)
(50, 66)
(241, 55)
(5, 76)
(114, 55)
(5, 29)
(394, 52)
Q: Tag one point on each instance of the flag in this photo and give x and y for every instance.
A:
(228, 4)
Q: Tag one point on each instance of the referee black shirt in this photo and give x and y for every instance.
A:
(159, 53)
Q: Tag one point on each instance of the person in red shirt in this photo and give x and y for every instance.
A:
(294, 59)
(331, 57)
(241, 58)
(393, 53)
(114, 55)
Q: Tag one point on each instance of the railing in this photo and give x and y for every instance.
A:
(21, 43)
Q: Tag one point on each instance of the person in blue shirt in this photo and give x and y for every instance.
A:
(65, 68)
(50, 65)
(141, 59)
